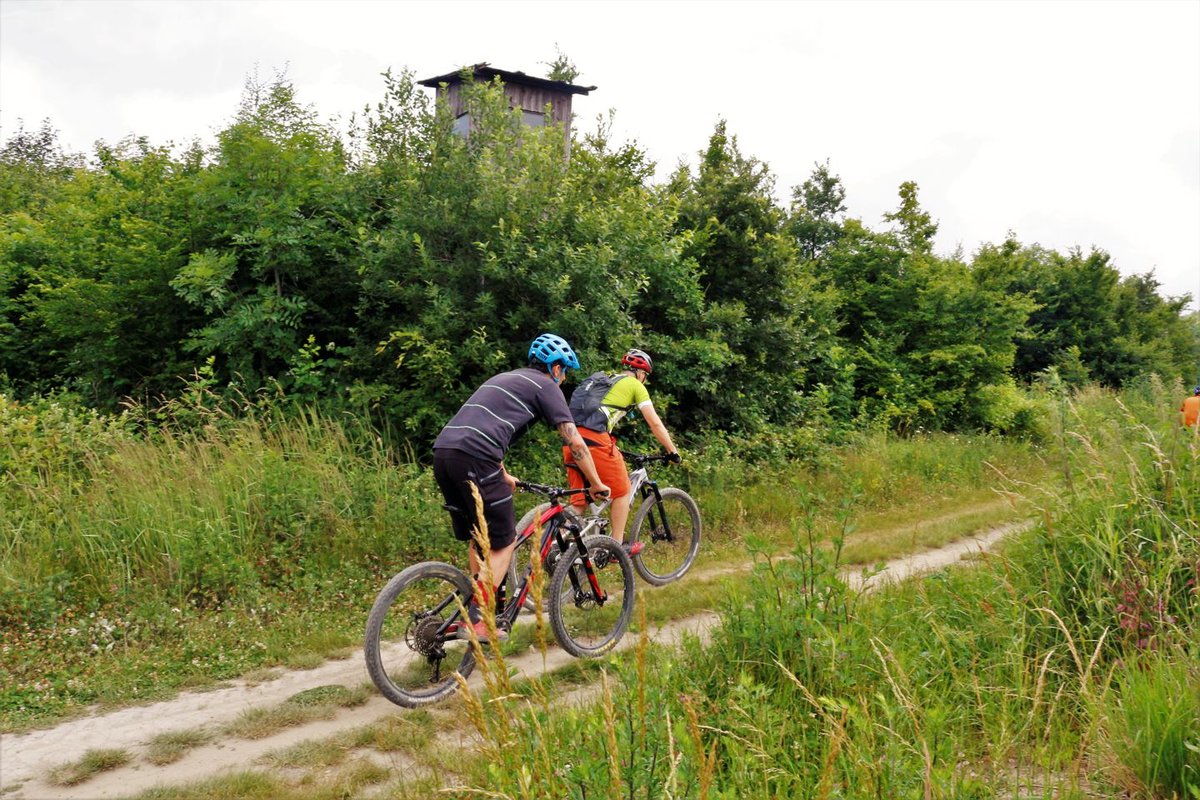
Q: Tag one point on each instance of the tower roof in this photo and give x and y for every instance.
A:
(482, 71)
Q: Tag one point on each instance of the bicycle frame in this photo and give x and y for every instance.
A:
(552, 525)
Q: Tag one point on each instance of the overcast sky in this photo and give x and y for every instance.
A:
(1068, 123)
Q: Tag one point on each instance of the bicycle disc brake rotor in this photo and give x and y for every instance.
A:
(422, 636)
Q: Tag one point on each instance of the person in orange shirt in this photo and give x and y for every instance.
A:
(1189, 412)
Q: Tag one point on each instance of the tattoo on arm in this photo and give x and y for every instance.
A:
(574, 441)
(568, 431)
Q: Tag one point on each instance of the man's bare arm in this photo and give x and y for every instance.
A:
(657, 427)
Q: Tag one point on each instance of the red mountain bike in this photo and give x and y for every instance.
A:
(412, 643)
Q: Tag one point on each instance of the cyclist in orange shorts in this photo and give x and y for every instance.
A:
(1189, 412)
(597, 405)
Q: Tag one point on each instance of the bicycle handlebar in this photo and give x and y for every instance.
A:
(641, 459)
(555, 492)
(551, 491)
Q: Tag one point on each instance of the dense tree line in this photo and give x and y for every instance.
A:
(394, 265)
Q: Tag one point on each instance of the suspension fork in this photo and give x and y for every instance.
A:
(588, 569)
(648, 490)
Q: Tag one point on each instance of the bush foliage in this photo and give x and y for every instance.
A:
(396, 264)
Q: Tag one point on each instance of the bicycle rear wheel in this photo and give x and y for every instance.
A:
(410, 646)
(584, 625)
(669, 531)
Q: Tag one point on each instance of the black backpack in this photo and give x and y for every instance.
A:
(585, 401)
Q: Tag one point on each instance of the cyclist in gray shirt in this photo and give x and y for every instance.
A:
(471, 447)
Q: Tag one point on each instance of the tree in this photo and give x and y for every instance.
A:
(927, 341)
(32, 165)
(271, 239)
(759, 300)
(818, 206)
(471, 248)
(88, 277)
(1086, 313)
(914, 226)
(561, 68)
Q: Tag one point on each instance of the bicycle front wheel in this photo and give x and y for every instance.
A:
(411, 644)
(590, 618)
(669, 530)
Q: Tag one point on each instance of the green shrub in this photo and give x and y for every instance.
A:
(1004, 408)
(50, 439)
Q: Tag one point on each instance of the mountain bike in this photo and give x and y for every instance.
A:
(667, 522)
(412, 645)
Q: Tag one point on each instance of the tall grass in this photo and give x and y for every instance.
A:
(873, 474)
(209, 517)
(1063, 666)
(134, 562)
(1150, 742)
(174, 546)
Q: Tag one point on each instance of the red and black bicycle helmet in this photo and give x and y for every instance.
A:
(638, 359)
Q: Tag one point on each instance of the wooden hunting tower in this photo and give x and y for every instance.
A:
(529, 94)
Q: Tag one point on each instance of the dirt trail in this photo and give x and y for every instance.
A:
(27, 758)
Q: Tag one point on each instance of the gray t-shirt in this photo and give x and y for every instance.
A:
(501, 410)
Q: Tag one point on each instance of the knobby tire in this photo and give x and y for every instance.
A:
(582, 627)
(662, 562)
(404, 675)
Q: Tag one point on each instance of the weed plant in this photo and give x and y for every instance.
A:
(321, 702)
(1150, 726)
(264, 537)
(167, 748)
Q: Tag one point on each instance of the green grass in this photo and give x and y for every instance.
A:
(47, 674)
(331, 694)
(1002, 680)
(410, 732)
(354, 778)
(167, 748)
(311, 754)
(241, 786)
(882, 536)
(90, 764)
(138, 648)
(1151, 726)
(693, 594)
(322, 702)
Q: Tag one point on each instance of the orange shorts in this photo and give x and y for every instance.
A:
(609, 464)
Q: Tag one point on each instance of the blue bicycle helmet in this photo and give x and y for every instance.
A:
(549, 350)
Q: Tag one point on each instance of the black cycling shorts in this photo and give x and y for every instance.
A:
(455, 471)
